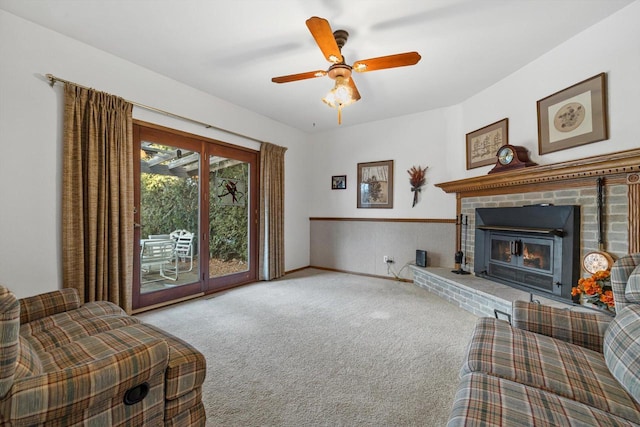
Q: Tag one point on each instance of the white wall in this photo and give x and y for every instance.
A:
(611, 46)
(437, 138)
(413, 140)
(30, 137)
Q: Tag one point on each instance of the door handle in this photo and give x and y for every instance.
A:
(514, 247)
(517, 244)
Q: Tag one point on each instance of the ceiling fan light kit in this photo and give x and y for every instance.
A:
(331, 43)
(340, 96)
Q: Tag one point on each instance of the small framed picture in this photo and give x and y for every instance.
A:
(483, 144)
(574, 116)
(375, 184)
(339, 182)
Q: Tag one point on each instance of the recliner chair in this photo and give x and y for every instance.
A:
(67, 364)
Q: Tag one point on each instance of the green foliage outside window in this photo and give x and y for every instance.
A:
(168, 203)
(228, 224)
(171, 203)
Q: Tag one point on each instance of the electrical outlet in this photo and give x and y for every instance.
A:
(387, 259)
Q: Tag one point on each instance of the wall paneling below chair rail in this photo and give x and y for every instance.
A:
(358, 245)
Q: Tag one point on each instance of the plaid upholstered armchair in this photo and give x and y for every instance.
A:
(556, 367)
(67, 364)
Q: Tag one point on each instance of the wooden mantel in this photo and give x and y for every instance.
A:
(574, 173)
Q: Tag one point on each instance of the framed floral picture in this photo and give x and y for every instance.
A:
(574, 116)
(375, 184)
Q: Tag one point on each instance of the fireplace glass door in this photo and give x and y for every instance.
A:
(537, 255)
(523, 259)
(522, 252)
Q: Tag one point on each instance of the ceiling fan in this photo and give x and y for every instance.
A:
(330, 43)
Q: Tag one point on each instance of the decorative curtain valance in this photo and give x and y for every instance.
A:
(97, 196)
(271, 246)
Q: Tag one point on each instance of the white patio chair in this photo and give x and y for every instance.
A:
(184, 246)
(159, 236)
(160, 254)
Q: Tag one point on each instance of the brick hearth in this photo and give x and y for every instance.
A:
(475, 294)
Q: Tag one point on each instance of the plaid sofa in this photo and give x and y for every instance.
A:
(556, 367)
(67, 364)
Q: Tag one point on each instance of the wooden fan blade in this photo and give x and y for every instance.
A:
(382, 62)
(354, 89)
(321, 32)
(300, 76)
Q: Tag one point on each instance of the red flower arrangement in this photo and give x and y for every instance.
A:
(595, 290)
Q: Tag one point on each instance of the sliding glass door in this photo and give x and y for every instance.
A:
(231, 230)
(195, 216)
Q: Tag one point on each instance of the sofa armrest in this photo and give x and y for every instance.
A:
(48, 304)
(66, 393)
(582, 328)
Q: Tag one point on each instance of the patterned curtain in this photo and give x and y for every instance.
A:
(97, 196)
(271, 246)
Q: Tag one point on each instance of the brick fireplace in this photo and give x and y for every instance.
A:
(568, 183)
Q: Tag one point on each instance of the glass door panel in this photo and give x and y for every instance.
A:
(229, 215)
(167, 217)
(169, 212)
(501, 249)
(536, 255)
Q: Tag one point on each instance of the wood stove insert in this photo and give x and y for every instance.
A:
(533, 248)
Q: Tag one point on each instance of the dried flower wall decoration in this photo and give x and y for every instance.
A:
(417, 179)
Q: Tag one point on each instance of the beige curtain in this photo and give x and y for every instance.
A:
(271, 246)
(97, 196)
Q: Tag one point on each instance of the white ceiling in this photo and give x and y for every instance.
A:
(232, 48)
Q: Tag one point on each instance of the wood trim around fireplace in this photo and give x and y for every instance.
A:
(574, 173)
(633, 181)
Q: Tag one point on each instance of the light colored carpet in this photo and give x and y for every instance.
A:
(320, 348)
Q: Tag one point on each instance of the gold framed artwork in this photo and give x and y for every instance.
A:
(573, 116)
(483, 144)
(375, 184)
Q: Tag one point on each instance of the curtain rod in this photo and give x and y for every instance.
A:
(53, 79)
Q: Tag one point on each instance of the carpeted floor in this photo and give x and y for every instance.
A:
(320, 348)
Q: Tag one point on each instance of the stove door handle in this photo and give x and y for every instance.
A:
(515, 246)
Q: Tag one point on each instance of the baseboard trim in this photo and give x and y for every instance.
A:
(166, 303)
(220, 291)
(377, 276)
(297, 269)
